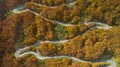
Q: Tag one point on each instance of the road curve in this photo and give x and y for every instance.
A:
(38, 55)
(17, 11)
(101, 25)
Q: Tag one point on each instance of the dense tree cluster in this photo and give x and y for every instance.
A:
(92, 45)
(88, 46)
(31, 28)
(62, 13)
(104, 11)
(47, 49)
(33, 6)
(112, 42)
(23, 29)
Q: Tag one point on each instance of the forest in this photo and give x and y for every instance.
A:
(18, 30)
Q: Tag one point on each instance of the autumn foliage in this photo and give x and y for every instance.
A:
(26, 28)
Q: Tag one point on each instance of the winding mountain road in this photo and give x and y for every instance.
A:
(38, 55)
(101, 25)
(17, 11)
